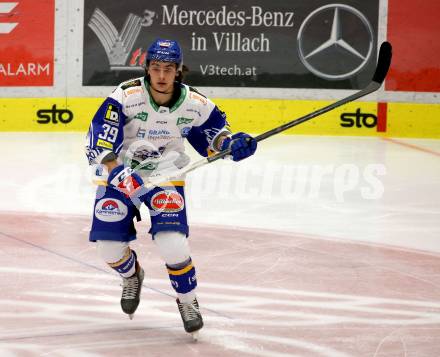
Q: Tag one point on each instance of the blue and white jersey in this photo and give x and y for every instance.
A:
(132, 126)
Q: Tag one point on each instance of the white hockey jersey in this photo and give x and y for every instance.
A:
(131, 126)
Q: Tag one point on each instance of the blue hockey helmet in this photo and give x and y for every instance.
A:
(165, 51)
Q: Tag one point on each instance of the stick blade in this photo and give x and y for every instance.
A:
(384, 62)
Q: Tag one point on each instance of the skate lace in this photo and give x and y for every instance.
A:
(130, 287)
(189, 311)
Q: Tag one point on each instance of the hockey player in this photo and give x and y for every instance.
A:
(142, 125)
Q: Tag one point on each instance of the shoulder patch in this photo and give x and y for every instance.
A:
(199, 97)
(134, 83)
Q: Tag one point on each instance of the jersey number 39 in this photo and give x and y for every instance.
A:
(110, 133)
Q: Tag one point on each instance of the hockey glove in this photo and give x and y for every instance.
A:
(242, 145)
(125, 180)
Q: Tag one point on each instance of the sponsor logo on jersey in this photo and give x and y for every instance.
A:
(198, 97)
(138, 164)
(154, 132)
(132, 91)
(149, 166)
(141, 133)
(112, 114)
(135, 83)
(134, 105)
(167, 201)
(104, 144)
(141, 116)
(110, 210)
(143, 154)
(190, 110)
(185, 131)
(182, 120)
(211, 133)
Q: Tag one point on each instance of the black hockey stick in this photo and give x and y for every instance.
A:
(383, 65)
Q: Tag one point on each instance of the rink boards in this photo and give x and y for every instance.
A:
(250, 115)
(58, 64)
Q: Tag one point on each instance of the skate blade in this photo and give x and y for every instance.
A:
(195, 336)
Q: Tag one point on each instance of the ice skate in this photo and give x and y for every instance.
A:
(191, 317)
(131, 291)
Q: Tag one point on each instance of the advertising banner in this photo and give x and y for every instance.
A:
(416, 46)
(248, 115)
(27, 43)
(251, 43)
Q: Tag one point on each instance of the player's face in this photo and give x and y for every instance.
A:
(162, 75)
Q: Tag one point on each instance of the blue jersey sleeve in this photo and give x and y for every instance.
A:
(106, 134)
(203, 137)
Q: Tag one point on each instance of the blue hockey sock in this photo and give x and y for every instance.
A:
(126, 266)
(183, 277)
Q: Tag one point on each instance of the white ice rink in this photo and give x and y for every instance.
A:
(354, 188)
(315, 246)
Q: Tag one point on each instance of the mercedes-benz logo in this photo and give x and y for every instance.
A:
(337, 41)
